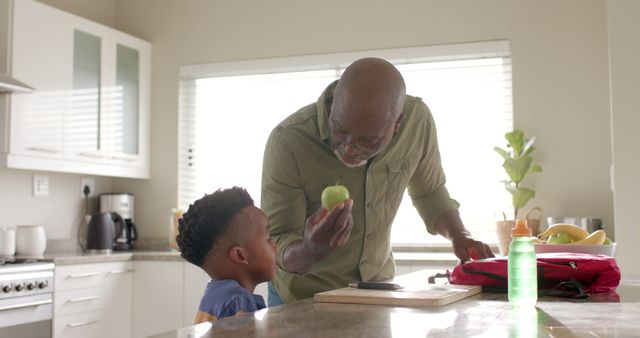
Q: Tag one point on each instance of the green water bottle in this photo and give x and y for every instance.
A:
(523, 273)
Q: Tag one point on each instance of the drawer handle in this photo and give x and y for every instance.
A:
(88, 322)
(84, 275)
(83, 299)
(24, 305)
(44, 150)
(117, 272)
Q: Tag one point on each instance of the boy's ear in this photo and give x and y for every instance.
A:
(238, 254)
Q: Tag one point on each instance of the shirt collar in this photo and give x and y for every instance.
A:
(323, 107)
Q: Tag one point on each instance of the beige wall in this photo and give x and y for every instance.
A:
(60, 212)
(560, 74)
(624, 49)
(101, 11)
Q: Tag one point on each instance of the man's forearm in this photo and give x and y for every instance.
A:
(449, 225)
(296, 259)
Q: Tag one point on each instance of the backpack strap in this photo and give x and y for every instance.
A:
(568, 289)
(432, 279)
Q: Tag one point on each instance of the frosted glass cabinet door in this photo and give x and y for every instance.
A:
(126, 100)
(82, 136)
(128, 91)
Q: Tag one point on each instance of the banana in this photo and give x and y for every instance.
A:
(595, 238)
(576, 232)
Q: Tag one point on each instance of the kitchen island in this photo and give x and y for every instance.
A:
(486, 314)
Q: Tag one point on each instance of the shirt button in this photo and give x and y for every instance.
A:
(368, 204)
(368, 236)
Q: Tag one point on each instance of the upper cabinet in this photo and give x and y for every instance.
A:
(90, 111)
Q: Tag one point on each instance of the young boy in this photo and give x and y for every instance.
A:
(228, 237)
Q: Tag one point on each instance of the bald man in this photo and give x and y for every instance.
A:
(365, 133)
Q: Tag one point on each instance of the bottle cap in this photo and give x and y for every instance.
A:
(521, 229)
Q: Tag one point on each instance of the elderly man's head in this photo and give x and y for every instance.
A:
(366, 110)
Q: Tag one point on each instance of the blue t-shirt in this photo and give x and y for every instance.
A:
(226, 298)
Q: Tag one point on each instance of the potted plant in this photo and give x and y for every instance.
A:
(518, 164)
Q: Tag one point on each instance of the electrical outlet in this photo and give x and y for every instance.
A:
(40, 185)
(87, 182)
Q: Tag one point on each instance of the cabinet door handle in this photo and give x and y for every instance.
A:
(84, 275)
(117, 272)
(82, 299)
(88, 322)
(45, 150)
(92, 155)
(24, 305)
(124, 158)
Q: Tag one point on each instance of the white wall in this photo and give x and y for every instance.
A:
(60, 212)
(624, 49)
(560, 74)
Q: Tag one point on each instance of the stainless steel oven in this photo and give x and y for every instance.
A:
(26, 298)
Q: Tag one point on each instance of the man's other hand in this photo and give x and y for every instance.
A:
(466, 248)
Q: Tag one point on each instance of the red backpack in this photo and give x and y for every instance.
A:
(559, 274)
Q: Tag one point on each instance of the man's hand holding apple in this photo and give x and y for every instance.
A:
(326, 230)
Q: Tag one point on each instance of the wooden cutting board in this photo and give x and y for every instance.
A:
(429, 295)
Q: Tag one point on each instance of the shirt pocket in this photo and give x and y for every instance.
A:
(313, 190)
(396, 182)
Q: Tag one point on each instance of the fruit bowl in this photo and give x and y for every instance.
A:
(608, 250)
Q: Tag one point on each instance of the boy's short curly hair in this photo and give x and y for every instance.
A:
(206, 220)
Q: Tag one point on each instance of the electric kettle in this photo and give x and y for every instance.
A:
(101, 231)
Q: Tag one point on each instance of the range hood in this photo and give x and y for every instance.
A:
(10, 85)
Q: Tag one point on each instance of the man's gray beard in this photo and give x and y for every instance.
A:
(360, 164)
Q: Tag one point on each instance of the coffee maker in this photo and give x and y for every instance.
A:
(121, 204)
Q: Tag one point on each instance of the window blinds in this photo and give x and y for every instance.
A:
(466, 86)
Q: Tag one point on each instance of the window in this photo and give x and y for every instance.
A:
(228, 111)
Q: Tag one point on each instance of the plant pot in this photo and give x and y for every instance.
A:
(503, 229)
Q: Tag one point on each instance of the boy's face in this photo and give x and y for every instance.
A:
(262, 251)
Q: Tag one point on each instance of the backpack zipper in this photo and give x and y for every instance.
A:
(573, 265)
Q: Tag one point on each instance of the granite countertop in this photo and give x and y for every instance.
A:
(486, 314)
(67, 258)
(437, 257)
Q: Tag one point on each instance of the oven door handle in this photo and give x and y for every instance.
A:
(24, 305)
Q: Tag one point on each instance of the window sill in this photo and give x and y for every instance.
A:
(427, 254)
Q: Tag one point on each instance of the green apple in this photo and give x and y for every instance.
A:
(560, 238)
(333, 195)
(607, 241)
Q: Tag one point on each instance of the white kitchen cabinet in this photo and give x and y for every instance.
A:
(118, 300)
(195, 281)
(40, 55)
(80, 325)
(93, 300)
(89, 113)
(157, 297)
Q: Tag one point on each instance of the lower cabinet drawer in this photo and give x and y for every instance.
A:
(77, 301)
(81, 325)
(73, 277)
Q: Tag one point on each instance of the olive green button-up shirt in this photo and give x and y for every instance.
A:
(299, 163)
